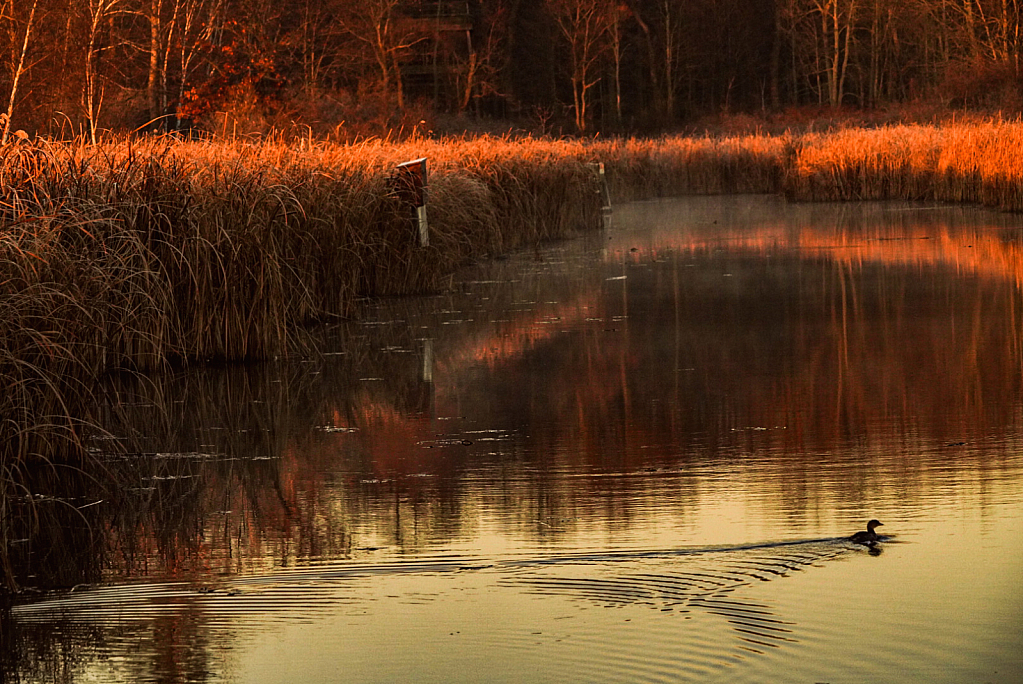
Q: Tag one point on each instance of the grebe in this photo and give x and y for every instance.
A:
(869, 536)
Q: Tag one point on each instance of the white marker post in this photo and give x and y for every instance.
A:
(428, 360)
(410, 186)
(602, 190)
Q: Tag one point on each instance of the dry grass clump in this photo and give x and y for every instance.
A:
(976, 162)
(706, 165)
(137, 253)
(864, 164)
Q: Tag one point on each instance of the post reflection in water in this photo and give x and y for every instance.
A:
(630, 457)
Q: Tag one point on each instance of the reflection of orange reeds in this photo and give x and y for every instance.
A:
(967, 251)
(525, 332)
(688, 383)
(733, 386)
(393, 440)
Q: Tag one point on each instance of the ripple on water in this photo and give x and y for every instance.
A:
(746, 613)
(708, 585)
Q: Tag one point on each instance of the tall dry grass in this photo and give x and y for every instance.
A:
(137, 253)
(639, 169)
(974, 162)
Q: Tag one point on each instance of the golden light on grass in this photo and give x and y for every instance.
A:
(965, 162)
(136, 253)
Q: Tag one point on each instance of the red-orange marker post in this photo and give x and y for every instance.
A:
(410, 187)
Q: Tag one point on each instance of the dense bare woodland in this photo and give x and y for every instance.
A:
(343, 67)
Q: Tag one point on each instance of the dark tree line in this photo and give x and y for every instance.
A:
(86, 65)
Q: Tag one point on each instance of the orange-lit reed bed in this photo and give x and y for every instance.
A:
(973, 162)
(977, 163)
(134, 253)
(640, 169)
(970, 162)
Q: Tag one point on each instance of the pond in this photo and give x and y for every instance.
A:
(635, 456)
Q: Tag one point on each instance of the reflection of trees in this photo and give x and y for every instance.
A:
(709, 369)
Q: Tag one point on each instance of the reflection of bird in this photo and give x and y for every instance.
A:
(868, 536)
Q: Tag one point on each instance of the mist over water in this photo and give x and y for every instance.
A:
(630, 457)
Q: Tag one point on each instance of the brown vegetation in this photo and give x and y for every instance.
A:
(137, 254)
(134, 255)
(147, 252)
(131, 254)
(347, 67)
(972, 163)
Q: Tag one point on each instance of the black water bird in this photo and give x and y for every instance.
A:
(867, 536)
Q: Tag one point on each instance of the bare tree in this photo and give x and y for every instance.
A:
(157, 67)
(476, 70)
(389, 34)
(620, 12)
(316, 40)
(661, 24)
(671, 50)
(805, 26)
(585, 24)
(992, 28)
(197, 22)
(98, 15)
(838, 24)
(20, 27)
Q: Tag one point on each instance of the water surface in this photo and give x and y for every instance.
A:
(630, 457)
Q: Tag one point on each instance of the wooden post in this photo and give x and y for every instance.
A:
(428, 360)
(605, 193)
(409, 181)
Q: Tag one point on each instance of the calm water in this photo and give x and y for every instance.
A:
(630, 457)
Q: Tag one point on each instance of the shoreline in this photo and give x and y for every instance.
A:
(141, 254)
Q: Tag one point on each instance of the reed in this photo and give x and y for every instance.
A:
(135, 254)
(138, 253)
(663, 167)
(975, 162)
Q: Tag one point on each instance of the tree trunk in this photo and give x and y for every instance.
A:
(154, 80)
(775, 66)
(17, 72)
